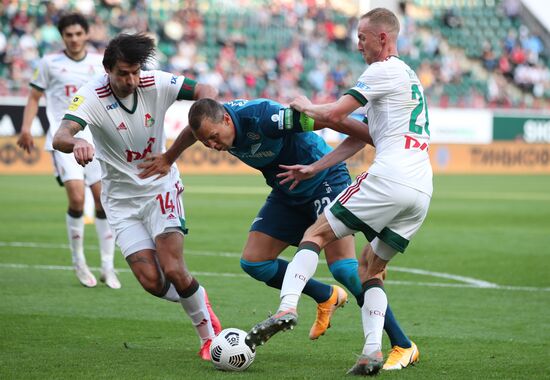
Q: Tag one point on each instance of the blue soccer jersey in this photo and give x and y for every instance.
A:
(268, 134)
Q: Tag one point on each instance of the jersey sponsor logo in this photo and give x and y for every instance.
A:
(133, 156)
(112, 106)
(264, 154)
(174, 79)
(35, 74)
(257, 219)
(149, 120)
(70, 89)
(122, 127)
(254, 148)
(362, 85)
(253, 136)
(274, 118)
(171, 216)
(412, 143)
(76, 102)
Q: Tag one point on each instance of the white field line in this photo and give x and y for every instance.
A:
(471, 195)
(465, 282)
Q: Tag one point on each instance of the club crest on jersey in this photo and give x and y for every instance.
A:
(149, 120)
(76, 102)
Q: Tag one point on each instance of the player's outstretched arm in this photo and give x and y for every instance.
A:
(25, 140)
(205, 91)
(64, 141)
(349, 126)
(329, 113)
(298, 173)
(159, 164)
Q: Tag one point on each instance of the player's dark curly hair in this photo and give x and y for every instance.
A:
(72, 18)
(129, 48)
(205, 108)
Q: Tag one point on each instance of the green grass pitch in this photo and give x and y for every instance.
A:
(473, 290)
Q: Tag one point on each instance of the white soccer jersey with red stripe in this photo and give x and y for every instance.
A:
(125, 135)
(59, 77)
(397, 116)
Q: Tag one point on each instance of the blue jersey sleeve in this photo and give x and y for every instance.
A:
(278, 121)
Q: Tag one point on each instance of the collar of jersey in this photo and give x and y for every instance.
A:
(134, 107)
(75, 60)
(235, 119)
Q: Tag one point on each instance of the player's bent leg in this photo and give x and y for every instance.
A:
(260, 261)
(145, 267)
(192, 296)
(75, 232)
(106, 241)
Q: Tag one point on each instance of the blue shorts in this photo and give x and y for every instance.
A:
(283, 219)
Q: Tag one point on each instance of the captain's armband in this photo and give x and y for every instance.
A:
(187, 90)
(290, 119)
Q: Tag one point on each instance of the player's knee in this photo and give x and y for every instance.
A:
(345, 272)
(261, 271)
(152, 284)
(180, 278)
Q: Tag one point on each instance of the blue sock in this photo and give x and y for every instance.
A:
(395, 333)
(272, 272)
(345, 272)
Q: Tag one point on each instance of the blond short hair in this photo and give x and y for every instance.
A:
(383, 17)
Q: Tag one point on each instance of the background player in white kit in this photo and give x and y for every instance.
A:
(58, 77)
(125, 111)
(388, 203)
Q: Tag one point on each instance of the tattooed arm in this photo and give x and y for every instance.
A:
(65, 141)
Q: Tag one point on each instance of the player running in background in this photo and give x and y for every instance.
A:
(388, 203)
(59, 76)
(264, 134)
(124, 110)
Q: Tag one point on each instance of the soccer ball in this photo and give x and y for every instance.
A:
(229, 352)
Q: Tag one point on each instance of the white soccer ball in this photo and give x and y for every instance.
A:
(229, 352)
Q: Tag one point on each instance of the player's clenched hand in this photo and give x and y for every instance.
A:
(295, 173)
(25, 141)
(83, 152)
(154, 164)
(300, 103)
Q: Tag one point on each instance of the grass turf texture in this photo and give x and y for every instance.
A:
(490, 228)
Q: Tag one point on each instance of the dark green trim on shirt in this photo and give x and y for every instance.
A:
(134, 107)
(357, 95)
(76, 119)
(37, 87)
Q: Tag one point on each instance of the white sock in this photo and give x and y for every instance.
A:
(75, 232)
(172, 294)
(195, 307)
(299, 271)
(89, 204)
(106, 244)
(372, 315)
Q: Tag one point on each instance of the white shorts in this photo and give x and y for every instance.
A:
(138, 221)
(67, 169)
(381, 209)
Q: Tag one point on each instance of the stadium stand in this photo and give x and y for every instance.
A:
(468, 53)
